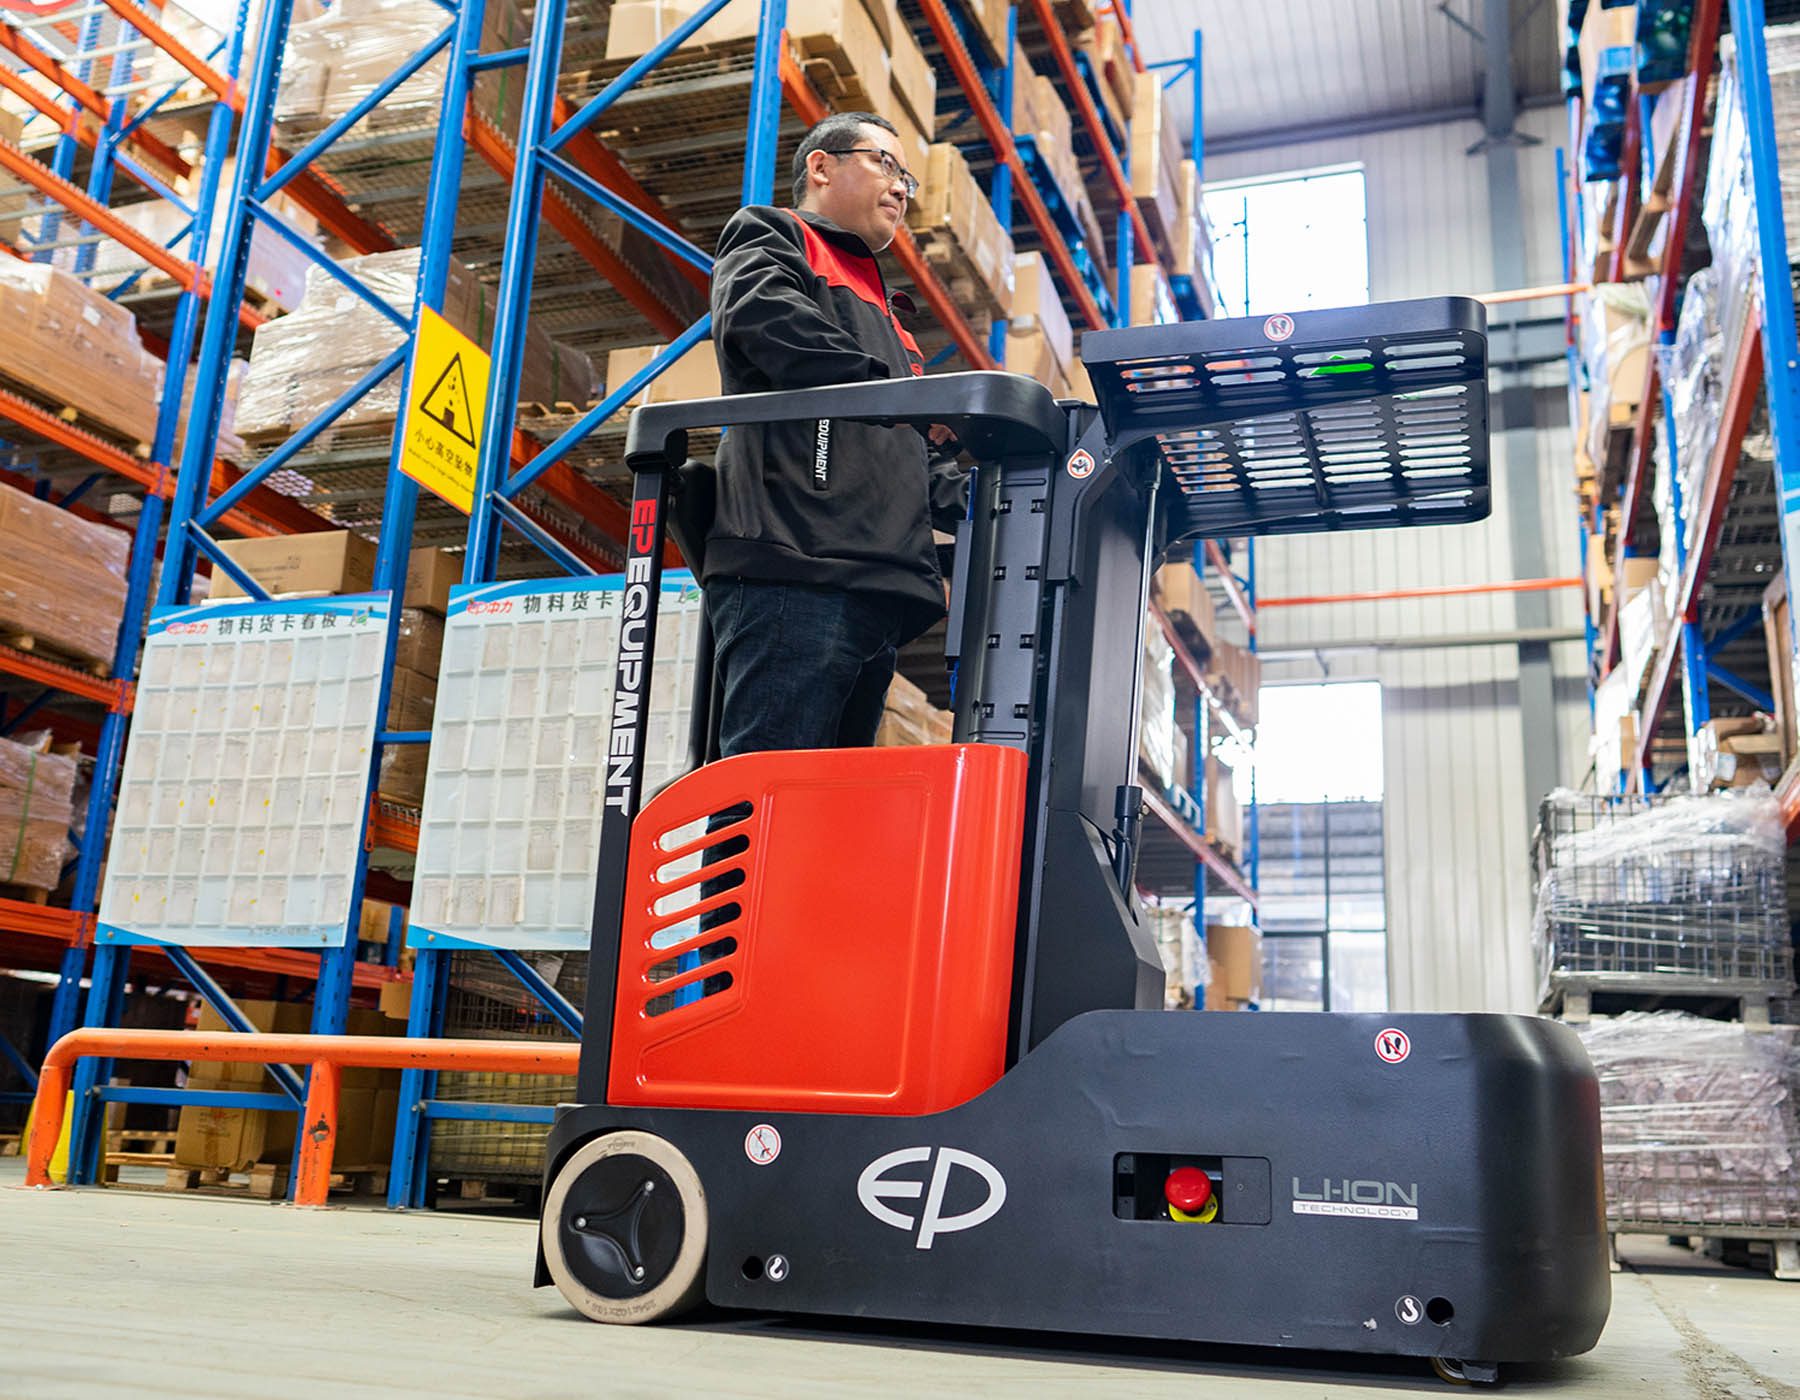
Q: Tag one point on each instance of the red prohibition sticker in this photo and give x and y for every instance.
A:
(762, 1144)
(1081, 464)
(1392, 1045)
(1278, 327)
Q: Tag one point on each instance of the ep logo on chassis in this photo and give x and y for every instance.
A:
(880, 1181)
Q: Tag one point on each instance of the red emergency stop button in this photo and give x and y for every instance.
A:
(1189, 1192)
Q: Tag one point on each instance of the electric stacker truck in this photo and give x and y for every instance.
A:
(905, 1057)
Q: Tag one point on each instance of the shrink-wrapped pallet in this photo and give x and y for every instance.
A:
(335, 61)
(1697, 1121)
(62, 578)
(307, 359)
(74, 348)
(36, 806)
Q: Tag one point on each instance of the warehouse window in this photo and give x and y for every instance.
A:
(1323, 892)
(1291, 242)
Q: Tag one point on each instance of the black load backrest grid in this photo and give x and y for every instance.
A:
(1357, 418)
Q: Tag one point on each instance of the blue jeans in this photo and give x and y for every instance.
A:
(801, 667)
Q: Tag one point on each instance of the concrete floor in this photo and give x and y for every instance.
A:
(130, 1293)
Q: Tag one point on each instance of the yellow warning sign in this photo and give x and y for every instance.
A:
(444, 409)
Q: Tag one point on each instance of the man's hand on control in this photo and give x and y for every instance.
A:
(939, 434)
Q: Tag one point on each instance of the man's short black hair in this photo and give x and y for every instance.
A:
(837, 132)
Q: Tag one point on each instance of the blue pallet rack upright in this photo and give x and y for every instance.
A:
(543, 143)
(98, 119)
(196, 513)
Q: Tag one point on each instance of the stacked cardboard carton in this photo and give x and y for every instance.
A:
(1039, 112)
(1155, 158)
(957, 228)
(37, 805)
(1234, 953)
(907, 717)
(307, 359)
(62, 578)
(72, 346)
(694, 376)
(234, 1139)
(411, 704)
(1152, 299)
(1235, 673)
(1039, 339)
(1191, 239)
(858, 53)
(1179, 592)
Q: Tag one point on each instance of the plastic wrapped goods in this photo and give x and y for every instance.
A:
(1690, 888)
(304, 361)
(335, 61)
(36, 806)
(1697, 1121)
(75, 348)
(62, 578)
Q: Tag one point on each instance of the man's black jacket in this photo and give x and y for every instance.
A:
(797, 303)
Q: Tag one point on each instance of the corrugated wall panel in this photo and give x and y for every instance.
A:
(1458, 818)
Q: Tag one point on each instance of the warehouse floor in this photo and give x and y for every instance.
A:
(129, 1293)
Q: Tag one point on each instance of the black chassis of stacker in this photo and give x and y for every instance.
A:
(1446, 1203)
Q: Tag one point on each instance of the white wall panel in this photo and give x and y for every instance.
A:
(1458, 824)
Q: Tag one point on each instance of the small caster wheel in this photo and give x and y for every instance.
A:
(1465, 1372)
(624, 1229)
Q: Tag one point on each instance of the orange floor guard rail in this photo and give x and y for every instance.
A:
(328, 1055)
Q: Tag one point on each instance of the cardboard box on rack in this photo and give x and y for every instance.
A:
(62, 578)
(1037, 306)
(694, 376)
(1179, 591)
(330, 561)
(951, 206)
(1030, 352)
(334, 561)
(908, 717)
(852, 26)
(1234, 953)
(1152, 299)
(76, 349)
(420, 645)
(429, 576)
(1039, 112)
(912, 79)
(1155, 155)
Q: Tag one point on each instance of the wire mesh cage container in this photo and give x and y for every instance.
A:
(486, 1002)
(1653, 892)
(1697, 1123)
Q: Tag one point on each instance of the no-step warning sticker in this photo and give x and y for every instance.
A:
(443, 411)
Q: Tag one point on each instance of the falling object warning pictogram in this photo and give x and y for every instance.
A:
(447, 403)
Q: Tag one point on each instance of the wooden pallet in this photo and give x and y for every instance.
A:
(49, 651)
(1748, 1246)
(68, 413)
(24, 894)
(12, 1144)
(264, 1181)
(1571, 999)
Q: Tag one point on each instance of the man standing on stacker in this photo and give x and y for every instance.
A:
(820, 562)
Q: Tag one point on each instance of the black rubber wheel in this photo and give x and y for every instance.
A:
(624, 1229)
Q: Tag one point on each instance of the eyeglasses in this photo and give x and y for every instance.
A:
(890, 167)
